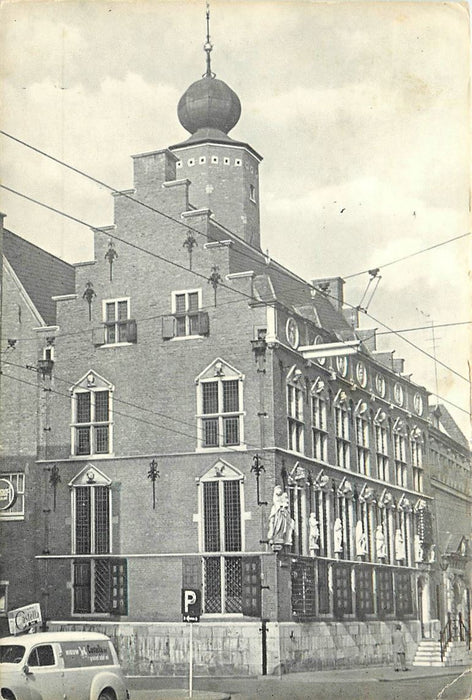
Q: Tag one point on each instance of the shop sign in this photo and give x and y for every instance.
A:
(22, 619)
(7, 494)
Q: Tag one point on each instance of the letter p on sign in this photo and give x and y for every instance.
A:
(191, 604)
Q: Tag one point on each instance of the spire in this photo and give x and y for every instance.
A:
(208, 46)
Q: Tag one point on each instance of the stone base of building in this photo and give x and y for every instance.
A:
(236, 648)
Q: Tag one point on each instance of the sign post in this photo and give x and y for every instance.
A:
(191, 611)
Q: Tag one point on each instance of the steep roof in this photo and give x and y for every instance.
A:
(448, 425)
(42, 275)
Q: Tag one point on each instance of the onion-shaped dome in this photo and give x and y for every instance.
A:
(209, 104)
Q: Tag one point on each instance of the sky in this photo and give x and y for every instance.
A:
(359, 109)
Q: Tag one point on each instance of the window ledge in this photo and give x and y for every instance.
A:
(225, 448)
(187, 337)
(108, 455)
(115, 345)
(11, 517)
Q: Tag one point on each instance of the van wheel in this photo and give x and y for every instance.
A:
(107, 694)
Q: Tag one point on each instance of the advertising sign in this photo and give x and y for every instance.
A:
(83, 654)
(191, 604)
(22, 619)
(7, 494)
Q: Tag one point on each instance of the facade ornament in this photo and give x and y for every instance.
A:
(338, 536)
(318, 386)
(432, 554)
(361, 540)
(111, 255)
(321, 482)
(190, 243)
(400, 554)
(345, 488)
(314, 535)
(258, 468)
(153, 474)
(89, 295)
(367, 494)
(418, 546)
(214, 279)
(380, 544)
(281, 523)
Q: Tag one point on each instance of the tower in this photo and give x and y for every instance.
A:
(224, 173)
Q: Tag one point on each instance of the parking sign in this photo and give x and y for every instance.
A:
(191, 604)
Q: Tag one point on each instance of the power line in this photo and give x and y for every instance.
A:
(422, 328)
(181, 266)
(410, 255)
(121, 240)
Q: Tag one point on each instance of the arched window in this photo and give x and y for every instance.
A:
(91, 422)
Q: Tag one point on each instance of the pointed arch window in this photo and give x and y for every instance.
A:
(399, 452)
(319, 421)
(91, 423)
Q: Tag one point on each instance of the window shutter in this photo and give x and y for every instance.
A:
(98, 336)
(203, 323)
(119, 586)
(192, 572)
(82, 601)
(168, 327)
(251, 587)
(131, 331)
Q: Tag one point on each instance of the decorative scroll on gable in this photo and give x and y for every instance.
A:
(221, 470)
(90, 476)
(219, 368)
(92, 381)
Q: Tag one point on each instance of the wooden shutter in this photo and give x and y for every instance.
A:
(168, 327)
(119, 586)
(82, 573)
(132, 331)
(203, 323)
(192, 572)
(98, 336)
(251, 587)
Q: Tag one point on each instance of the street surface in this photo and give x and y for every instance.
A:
(357, 685)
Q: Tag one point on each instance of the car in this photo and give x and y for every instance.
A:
(60, 666)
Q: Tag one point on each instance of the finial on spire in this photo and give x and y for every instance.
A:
(208, 46)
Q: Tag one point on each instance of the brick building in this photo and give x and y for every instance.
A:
(208, 419)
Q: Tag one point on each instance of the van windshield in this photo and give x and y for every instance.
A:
(11, 653)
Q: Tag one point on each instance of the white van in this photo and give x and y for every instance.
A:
(60, 665)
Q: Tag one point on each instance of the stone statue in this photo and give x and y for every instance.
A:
(280, 523)
(432, 554)
(419, 554)
(361, 540)
(399, 545)
(314, 534)
(338, 536)
(380, 544)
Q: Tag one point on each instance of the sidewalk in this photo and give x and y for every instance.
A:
(161, 688)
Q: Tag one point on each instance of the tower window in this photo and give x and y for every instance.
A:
(238, 162)
(178, 164)
(214, 159)
(190, 162)
(202, 160)
(226, 161)
(252, 193)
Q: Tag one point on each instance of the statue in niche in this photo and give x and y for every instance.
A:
(399, 545)
(338, 536)
(380, 544)
(314, 534)
(280, 522)
(361, 540)
(432, 554)
(419, 553)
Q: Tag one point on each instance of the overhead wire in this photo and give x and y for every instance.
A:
(82, 173)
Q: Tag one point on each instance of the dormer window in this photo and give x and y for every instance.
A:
(91, 426)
